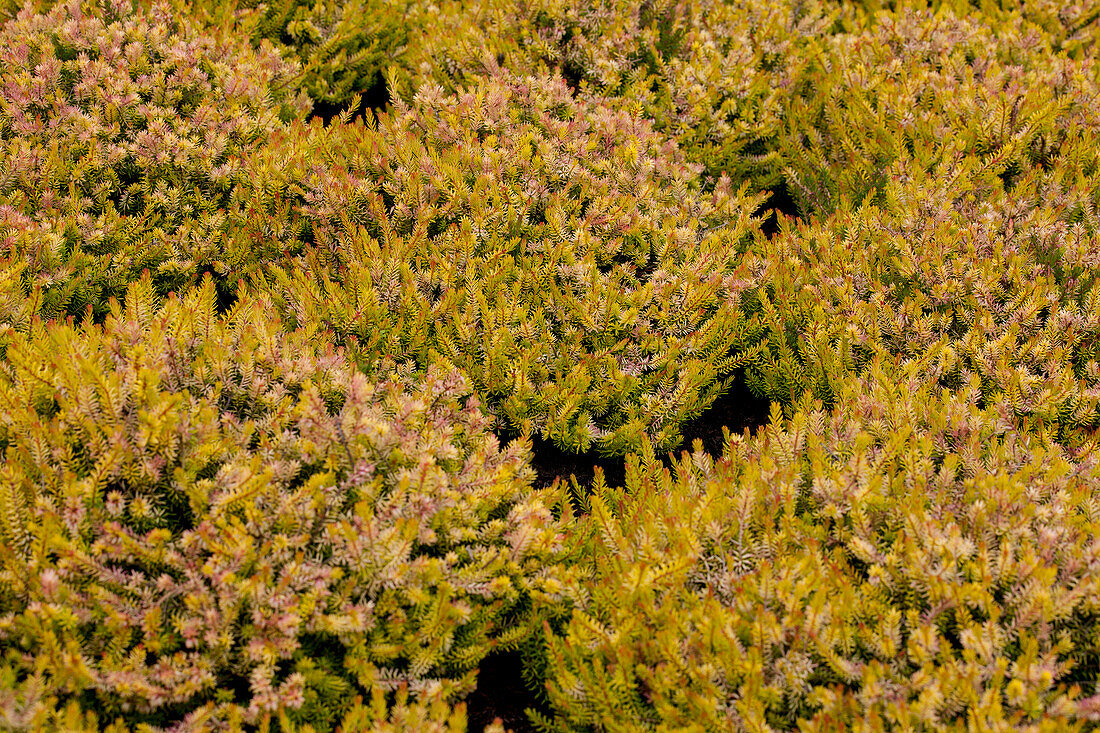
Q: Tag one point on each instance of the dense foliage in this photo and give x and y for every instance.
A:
(343, 47)
(120, 138)
(270, 383)
(210, 519)
(915, 89)
(976, 285)
(558, 252)
(711, 74)
(907, 561)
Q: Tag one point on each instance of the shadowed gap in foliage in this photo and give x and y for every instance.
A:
(738, 409)
(375, 98)
(778, 202)
(501, 693)
(551, 462)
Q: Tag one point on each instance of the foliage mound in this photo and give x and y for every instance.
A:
(1072, 28)
(711, 74)
(120, 133)
(278, 500)
(815, 99)
(560, 253)
(971, 282)
(906, 561)
(912, 89)
(344, 47)
(210, 521)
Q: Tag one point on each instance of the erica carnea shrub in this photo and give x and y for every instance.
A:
(120, 133)
(343, 46)
(972, 283)
(427, 712)
(1071, 27)
(907, 561)
(210, 522)
(558, 252)
(817, 99)
(913, 88)
(711, 74)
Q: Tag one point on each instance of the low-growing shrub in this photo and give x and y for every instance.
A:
(210, 521)
(120, 136)
(285, 505)
(427, 713)
(343, 46)
(710, 74)
(907, 561)
(1071, 27)
(340, 48)
(817, 99)
(560, 253)
(923, 90)
(951, 271)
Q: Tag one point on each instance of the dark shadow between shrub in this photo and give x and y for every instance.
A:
(780, 202)
(375, 98)
(738, 409)
(501, 693)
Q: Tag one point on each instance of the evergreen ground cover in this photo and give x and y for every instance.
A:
(703, 365)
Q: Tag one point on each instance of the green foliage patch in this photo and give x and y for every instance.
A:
(975, 285)
(906, 561)
(913, 89)
(121, 133)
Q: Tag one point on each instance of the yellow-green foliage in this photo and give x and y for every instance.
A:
(284, 505)
(815, 96)
(211, 519)
(923, 90)
(973, 283)
(343, 46)
(427, 713)
(120, 137)
(561, 254)
(711, 74)
(907, 561)
(1071, 27)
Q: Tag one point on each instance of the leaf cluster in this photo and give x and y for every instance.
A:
(906, 561)
(121, 133)
(560, 253)
(213, 521)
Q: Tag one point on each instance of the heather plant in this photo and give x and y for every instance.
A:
(340, 49)
(906, 561)
(712, 75)
(912, 88)
(951, 270)
(280, 500)
(210, 522)
(10, 8)
(560, 253)
(817, 99)
(343, 46)
(121, 133)
(1071, 27)
(428, 712)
